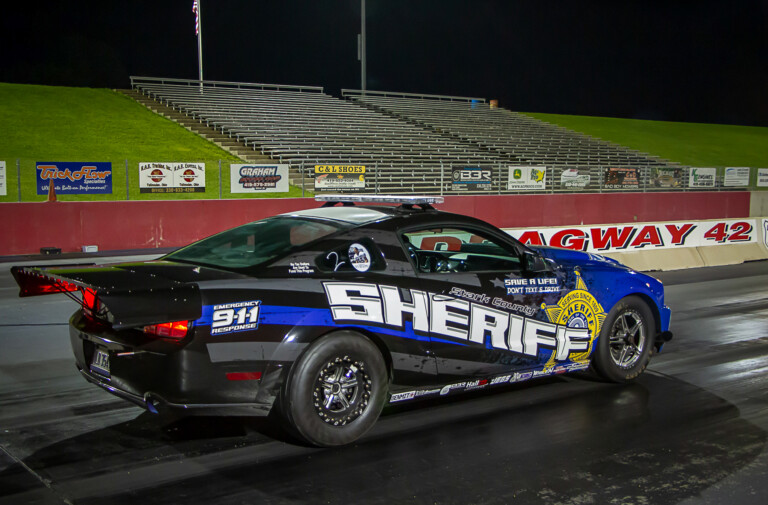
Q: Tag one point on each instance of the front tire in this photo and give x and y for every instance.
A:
(626, 339)
(336, 390)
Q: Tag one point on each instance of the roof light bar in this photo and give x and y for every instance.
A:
(394, 199)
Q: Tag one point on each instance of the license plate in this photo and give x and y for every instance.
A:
(100, 363)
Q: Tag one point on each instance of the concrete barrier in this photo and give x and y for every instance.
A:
(758, 203)
(661, 246)
(692, 257)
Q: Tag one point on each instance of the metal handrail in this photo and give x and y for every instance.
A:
(394, 94)
(135, 80)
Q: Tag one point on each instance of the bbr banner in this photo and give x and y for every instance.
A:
(472, 179)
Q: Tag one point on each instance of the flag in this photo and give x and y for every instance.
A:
(197, 16)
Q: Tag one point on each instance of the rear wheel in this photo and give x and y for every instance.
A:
(336, 390)
(626, 340)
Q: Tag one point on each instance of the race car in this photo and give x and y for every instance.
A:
(324, 316)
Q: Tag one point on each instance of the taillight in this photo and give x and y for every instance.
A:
(176, 329)
(91, 303)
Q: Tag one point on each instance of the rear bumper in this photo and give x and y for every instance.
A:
(163, 376)
(156, 404)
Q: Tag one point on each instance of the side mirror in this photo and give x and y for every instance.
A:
(534, 263)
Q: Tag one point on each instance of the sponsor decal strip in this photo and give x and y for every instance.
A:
(509, 378)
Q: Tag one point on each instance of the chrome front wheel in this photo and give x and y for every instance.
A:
(625, 341)
(628, 338)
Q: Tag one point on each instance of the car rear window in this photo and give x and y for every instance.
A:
(256, 243)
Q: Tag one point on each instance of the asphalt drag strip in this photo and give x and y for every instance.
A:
(692, 429)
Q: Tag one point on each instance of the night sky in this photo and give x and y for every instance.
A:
(676, 60)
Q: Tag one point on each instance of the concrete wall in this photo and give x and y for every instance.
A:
(26, 227)
(758, 204)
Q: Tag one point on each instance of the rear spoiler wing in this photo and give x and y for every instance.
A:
(132, 298)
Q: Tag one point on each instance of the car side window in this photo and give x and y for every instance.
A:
(446, 250)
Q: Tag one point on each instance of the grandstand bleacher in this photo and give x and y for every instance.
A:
(409, 143)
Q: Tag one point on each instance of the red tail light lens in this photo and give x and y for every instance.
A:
(175, 330)
(91, 304)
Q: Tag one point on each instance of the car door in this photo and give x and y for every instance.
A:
(487, 298)
(369, 283)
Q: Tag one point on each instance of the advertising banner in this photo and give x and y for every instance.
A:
(158, 177)
(667, 177)
(472, 179)
(574, 178)
(74, 177)
(736, 176)
(621, 178)
(762, 177)
(634, 237)
(340, 177)
(702, 177)
(258, 178)
(527, 178)
(3, 180)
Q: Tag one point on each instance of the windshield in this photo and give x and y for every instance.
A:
(255, 243)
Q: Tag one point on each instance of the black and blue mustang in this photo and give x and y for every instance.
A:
(326, 315)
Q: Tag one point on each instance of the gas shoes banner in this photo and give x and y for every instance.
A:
(74, 177)
(340, 177)
(158, 177)
(635, 237)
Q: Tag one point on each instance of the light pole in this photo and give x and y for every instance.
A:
(361, 45)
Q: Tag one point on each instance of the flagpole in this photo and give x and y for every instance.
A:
(199, 27)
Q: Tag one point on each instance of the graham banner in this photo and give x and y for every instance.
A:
(158, 177)
(74, 177)
(340, 177)
(258, 178)
(634, 237)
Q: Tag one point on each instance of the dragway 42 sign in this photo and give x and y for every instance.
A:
(74, 177)
(631, 237)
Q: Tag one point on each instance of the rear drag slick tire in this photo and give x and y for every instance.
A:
(336, 390)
